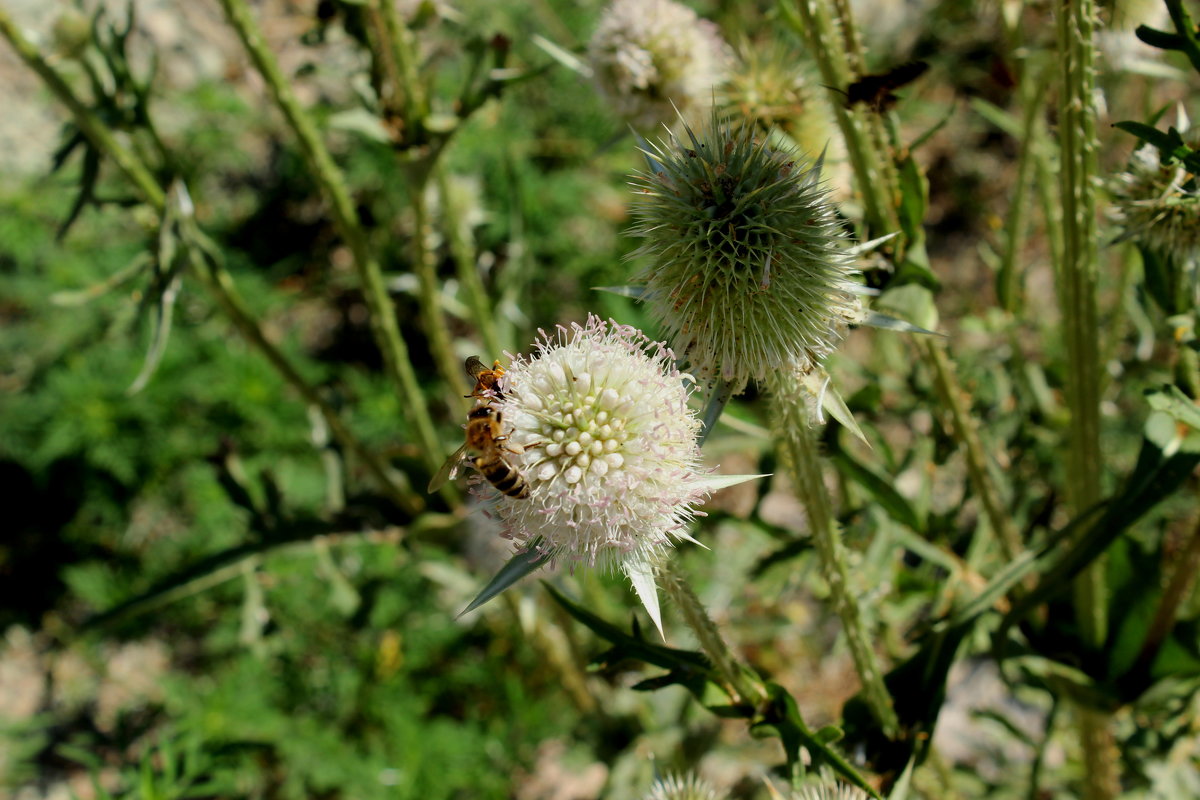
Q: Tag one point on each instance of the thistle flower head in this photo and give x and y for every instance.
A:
(682, 787)
(610, 452)
(749, 268)
(648, 54)
(1158, 205)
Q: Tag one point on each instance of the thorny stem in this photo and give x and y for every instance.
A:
(407, 83)
(966, 430)
(212, 275)
(1078, 275)
(383, 313)
(734, 675)
(799, 442)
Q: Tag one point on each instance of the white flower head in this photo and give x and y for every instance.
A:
(682, 787)
(611, 456)
(610, 451)
(647, 54)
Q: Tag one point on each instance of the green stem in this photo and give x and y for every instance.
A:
(407, 83)
(383, 313)
(799, 441)
(1078, 275)
(462, 250)
(432, 319)
(735, 676)
(1008, 281)
(220, 284)
(966, 430)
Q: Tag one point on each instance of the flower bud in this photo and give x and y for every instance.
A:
(749, 268)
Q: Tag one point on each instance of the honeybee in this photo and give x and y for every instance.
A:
(485, 378)
(485, 436)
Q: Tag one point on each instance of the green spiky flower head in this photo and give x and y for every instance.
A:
(749, 269)
(1157, 204)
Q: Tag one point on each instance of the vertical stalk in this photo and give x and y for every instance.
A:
(735, 676)
(967, 431)
(461, 249)
(432, 319)
(799, 441)
(1077, 277)
(383, 313)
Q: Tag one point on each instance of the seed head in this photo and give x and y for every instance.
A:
(648, 54)
(1158, 205)
(610, 450)
(829, 791)
(749, 270)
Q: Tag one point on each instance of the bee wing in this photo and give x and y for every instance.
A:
(448, 470)
(474, 367)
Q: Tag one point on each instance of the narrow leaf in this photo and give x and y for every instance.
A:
(520, 565)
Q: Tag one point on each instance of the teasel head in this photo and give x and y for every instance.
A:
(1156, 202)
(654, 60)
(609, 449)
(748, 268)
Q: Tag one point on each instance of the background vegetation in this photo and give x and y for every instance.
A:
(205, 592)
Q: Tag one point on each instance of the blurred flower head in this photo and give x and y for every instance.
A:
(769, 86)
(682, 787)
(1158, 205)
(749, 269)
(829, 791)
(649, 54)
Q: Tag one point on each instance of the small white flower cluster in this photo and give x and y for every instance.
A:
(610, 448)
(648, 54)
(682, 787)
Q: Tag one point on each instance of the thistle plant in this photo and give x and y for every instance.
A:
(610, 451)
(749, 270)
(652, 59)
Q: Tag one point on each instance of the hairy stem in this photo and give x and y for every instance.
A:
(800, 446)
(1078, 275)
(966, 430)
(736, 677)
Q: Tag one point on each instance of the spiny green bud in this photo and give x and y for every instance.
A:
(749, 268)
(1158, 204)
